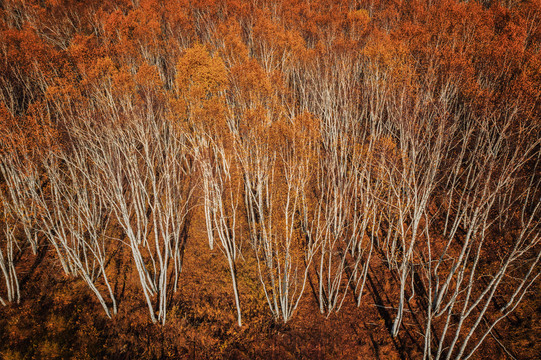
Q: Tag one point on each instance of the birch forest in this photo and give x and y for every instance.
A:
(257, 179)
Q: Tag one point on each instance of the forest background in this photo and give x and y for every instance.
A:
(270, 179)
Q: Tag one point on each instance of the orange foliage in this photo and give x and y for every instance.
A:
(200, 84)
(275, 85)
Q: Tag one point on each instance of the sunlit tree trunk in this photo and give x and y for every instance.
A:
(221, 192)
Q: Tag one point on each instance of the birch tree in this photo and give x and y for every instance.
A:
(276, 173)
(488, 256)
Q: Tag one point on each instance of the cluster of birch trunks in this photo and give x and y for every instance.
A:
(360, 176)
